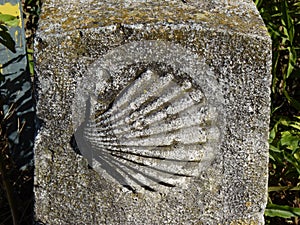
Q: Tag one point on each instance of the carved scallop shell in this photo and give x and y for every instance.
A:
(149, 126)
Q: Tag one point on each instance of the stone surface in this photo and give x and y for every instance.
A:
(118, 59)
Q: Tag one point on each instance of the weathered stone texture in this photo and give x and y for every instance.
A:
(232, 41)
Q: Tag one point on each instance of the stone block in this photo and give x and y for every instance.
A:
(152, 112)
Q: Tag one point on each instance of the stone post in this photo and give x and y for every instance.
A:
(152, 112)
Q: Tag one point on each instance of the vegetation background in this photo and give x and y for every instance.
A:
(282, 18)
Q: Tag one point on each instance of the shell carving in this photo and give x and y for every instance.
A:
(152, 130)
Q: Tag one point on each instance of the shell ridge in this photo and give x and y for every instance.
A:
(152, 151)
(162, 128)
(103, 128)
(120, 113)
(154, 157)
(172, 135)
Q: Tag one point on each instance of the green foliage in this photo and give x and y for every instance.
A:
(30, 61)
(5, 38)
(282, 18)
(284, 143)
(9, 20)
(274, 210)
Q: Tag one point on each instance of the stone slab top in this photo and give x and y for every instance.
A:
(227, 15)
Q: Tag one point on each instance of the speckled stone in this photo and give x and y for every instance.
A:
(232, 44)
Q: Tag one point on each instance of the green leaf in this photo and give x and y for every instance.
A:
(295, 125)
(275, 149)
(292, 61)
(272, 158)
(13, 23)
(29, 50)
(283, 188)
(296, 154)
(9, 20)
(288, 139)
(258, 3)
(288, 22)
(292, 160)
(6, 17)
(28, 2)
(30, 61)
(274, 210)
(273, 31)
(277, 107)
(297, 4)
(273, 134)
(284, 122)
